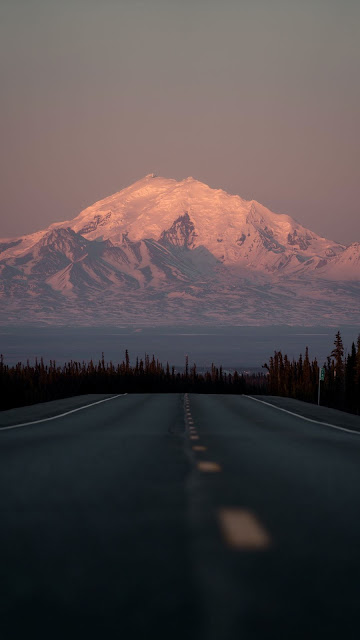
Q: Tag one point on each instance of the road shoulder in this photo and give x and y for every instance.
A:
(44, 410)
(314, 412)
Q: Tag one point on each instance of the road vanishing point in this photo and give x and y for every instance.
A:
(216, 517)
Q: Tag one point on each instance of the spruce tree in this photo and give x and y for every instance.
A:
(338, 355)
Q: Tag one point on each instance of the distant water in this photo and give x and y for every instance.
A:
(243, 348)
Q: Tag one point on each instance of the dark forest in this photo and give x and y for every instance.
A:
(28, 384)
(299, 379)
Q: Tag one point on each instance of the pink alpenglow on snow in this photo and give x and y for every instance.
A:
(185, 253)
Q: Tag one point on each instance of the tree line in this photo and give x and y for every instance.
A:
(299, 379)
(27, 384)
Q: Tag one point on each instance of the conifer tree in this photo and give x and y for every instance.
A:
(350, 380)
(338, 368)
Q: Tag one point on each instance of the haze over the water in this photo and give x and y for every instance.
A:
(260, 98)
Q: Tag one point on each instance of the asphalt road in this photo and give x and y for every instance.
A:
(164, 516)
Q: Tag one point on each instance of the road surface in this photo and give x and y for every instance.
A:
(170, 516)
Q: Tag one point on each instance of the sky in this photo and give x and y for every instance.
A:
(257, 97)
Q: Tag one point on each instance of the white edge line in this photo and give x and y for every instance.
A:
(60, 415)
(324, 424)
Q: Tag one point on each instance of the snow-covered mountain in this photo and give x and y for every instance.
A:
(168, 251)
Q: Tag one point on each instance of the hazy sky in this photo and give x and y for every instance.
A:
(258, 97)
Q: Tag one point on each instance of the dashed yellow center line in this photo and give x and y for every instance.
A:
(242, 530)
(208, 467)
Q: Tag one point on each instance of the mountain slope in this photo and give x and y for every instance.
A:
(166, 251)
(234, 230)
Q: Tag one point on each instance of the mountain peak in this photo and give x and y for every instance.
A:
(189, 213)
(183, 251)
(232, 229)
